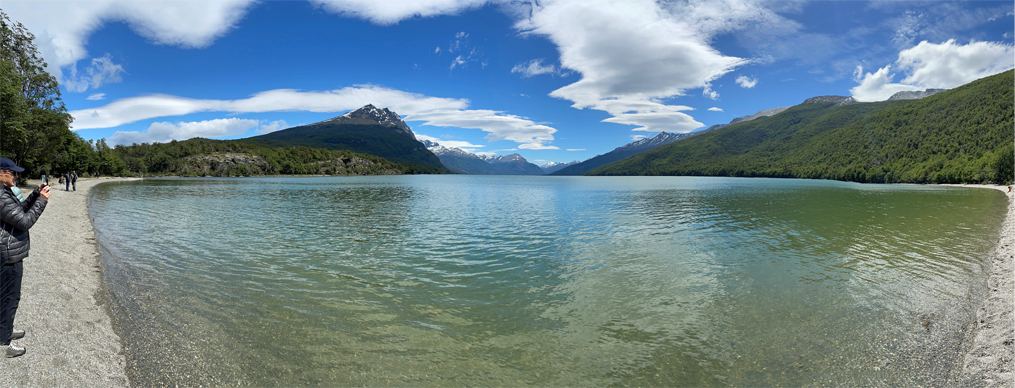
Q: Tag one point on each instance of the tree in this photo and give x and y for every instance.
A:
(34, 123)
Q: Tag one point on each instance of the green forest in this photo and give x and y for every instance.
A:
(964, 135)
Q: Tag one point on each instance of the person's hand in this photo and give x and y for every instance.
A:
(44, 191)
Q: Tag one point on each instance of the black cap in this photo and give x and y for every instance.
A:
(7, 164)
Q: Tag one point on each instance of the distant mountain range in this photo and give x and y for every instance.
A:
(552, 167)
(642, 145)
(962, 135)
(368, 130)
(459, 161)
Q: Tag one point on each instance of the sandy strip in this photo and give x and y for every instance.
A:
(70, 338)
(990, 358)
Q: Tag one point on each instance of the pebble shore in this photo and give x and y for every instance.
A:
(71, 341)
(990, 356)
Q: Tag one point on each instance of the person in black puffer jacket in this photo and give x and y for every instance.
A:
(16, 218)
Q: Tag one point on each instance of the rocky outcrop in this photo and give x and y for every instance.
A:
(834, 100)
(915, 95)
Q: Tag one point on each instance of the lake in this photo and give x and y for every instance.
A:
(542, 281)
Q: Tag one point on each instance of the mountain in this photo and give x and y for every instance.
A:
(368, 130)
(513, 164)
(642, 145)
(915, 95)
(551, 167)
(457, 160)
(962, 135)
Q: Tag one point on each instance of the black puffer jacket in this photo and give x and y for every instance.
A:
(17, 217)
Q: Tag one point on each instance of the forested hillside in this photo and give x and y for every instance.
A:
(964, 135)
(222, 158)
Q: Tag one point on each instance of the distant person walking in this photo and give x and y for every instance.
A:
(16, 218)
(74, 180)
(66, 181)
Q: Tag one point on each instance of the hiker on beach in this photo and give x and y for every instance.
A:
(74, 180)
(66, 181)
(16, 218)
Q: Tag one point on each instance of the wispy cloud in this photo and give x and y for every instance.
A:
(101, 71)
(96, 97)
(575, 149)
(162, 132)
(499, 126)
(533, 68)
(746, 82)
(129, 110)
(715, 109)
(272, 127)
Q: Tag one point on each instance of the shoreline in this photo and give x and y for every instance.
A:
(990, 344)
(70, 337)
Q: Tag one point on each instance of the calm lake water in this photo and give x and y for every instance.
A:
(544, 281)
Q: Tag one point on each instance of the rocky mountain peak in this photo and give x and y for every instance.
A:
(505, 158)
(835, 100)
(370, 114)
(440, 150)
(915, 95)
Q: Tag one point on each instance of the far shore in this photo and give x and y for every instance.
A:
(71, 341)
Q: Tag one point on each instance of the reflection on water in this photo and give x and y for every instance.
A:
(470, 280)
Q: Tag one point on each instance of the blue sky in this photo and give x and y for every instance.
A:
(551, 80)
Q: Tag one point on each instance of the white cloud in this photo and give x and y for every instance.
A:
(458, 61)
(935, 66)
(575, 149)
(162, 132)
(272, 127)
(746, 82)
(500, 126)
(640, 52)
(392, 11)
(637, 137)
(437, 50)
(948, 65)
(533, 68)
(96, 97)
(877, 86)
(715, 109)
(134, 109)
(102, 71)
(61, 28)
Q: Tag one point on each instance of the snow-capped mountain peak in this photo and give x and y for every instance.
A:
(371, 114)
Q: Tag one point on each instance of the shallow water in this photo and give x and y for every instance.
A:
(548, 281)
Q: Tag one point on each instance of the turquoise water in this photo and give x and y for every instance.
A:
(545, 281)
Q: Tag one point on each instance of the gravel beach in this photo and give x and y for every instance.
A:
(70, 340)
(990, 357)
